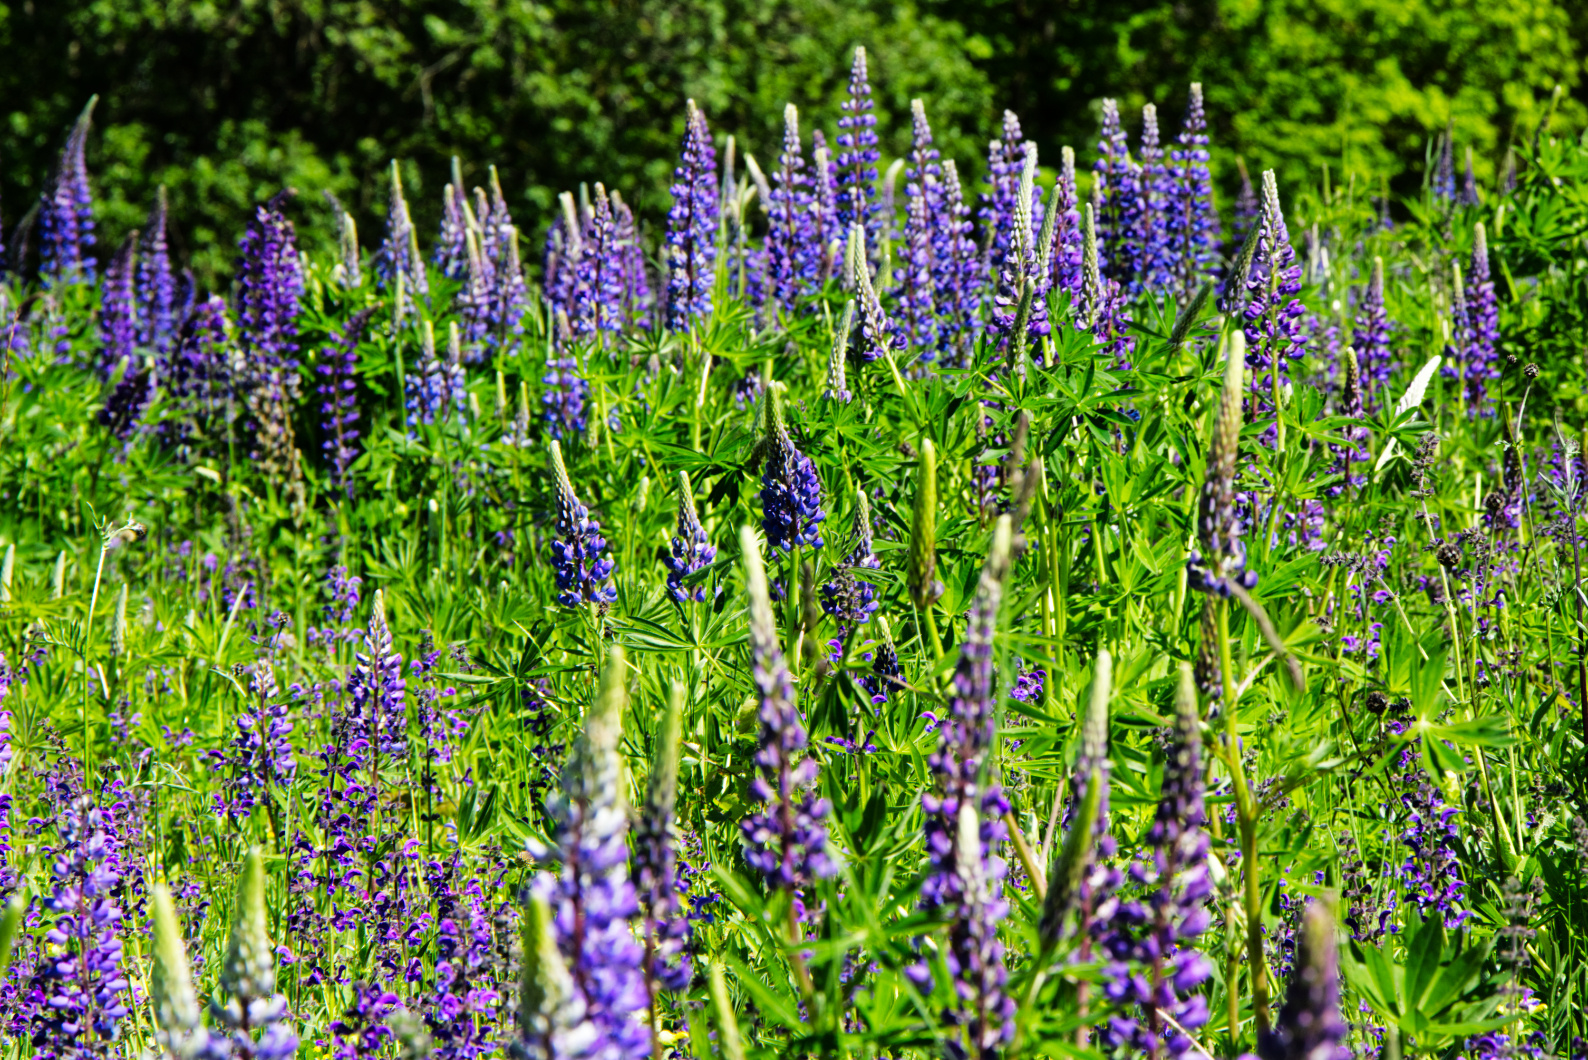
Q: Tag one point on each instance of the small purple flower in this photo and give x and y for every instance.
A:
(1116, 193)
(1150, 214)
(563, 403)
(691, 549)
(791, 491)
(1371, 340)
(1475, 336)
(451, 253)
(956, 271)
(118, 312)
(599, 295)
(1274, 315)
(157, 309)
(269, 284)
(436, 388)
(1005, 161)
(584, 570)
(858, 156)
(399, 252)
(786, 841)
(1194, 221)
(1309, 1025)
(1066, 256)
(850, 600)
(338, 370)
(1020, 276)
(788, 247)
(692, 227)
(924, 233)
(66, 211)
(379, 712)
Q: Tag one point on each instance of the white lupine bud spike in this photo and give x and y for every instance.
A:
(248, 972)
(176, 1008)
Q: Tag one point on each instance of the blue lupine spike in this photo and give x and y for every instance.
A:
(858, 156)
(66, 210)
(584, 570)
(156, 283)
(692, 227)
(1195, 221)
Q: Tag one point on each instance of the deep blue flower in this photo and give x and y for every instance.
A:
(338, 389)
(692, 226)
(791, 491)
(858, 156)
(584, 570)
(691, 549)
(1371, 340)
(157, 309)
(118, 312)
(66, 211)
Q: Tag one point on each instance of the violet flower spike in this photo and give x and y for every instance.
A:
(1116, 191)
(786, 840)
(157, 310)
(399, 252)
(66, 211)
(118, 311)
(584, 570)
(788, 247)
(957, 272)
(1309, 1025)
(1151, 214)
(1220, 557)
(857, 157)
(1275, 317)
(691, 549)
(791, 491)
(1194, 220)
(876, 329)
(338, 370)
(1067, 255)
(1371, 340)
(692, 226)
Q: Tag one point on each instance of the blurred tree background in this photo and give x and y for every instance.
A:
(225, 101)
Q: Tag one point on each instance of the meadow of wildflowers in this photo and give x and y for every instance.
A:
(864, 612)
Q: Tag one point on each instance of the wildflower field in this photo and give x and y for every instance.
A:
(1049, 608)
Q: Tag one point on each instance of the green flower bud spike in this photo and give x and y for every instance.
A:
(178, 1026)
(922, 564)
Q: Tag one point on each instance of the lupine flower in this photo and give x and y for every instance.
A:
(1371, 340)
(248, 975)
(399, 252)
(787, 237)
(1444, 175)
(786, 841)
(339, 388)
(1019, 277)
(118, 311)
(598, 299)
(692, 226)
(66, 211)
(451, 254)
(591, 899)
(667, 960)
(858, 156)
(379, 714)
(157, 316)
(1194, 221)
(1158, 936)
(1354, 452)
(1005, 162)
(560, 266)
(563, 402)
(791, 491)
(1310, 1026)
(923, 232)
(691, 548)
(180, 1030)
(956, 271)
(964, 825)
(1101, 308)
(196, 374)
(475, 302)
(1115, 189)
(1469, 184)
(1150, 214)
(509, 296)
(1066, 256)
(826, 236)
(837, 383)
(79, 976)
(636, 303)
(1274, 316)
(1478, 327)
(850, 600)
(436, 387)
(1431, 873)
(584, 570)
(1220, 558)
(269, 284)
(877, 331)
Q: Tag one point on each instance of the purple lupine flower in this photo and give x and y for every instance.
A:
(826, 237)
(509, 296)
(858, 156)
(1274, 315)
(878, 333)
(964, 825)
(451, 253)
(591, 899)
(584, 570)
(475, 302)
(598, 298)
(496, 225)
(563, 403)
(436, 388)
(1101, 308)
(339, 388)
(1005, 161)
(1444, 175)
(1248, 210)
(1309, 1026)
(83, 992)
(1220, 557)
(66, 211)
(788, 248)
(399, 251)
(157, 316)
(118, 311)
(1371, 340)
(785, 841)
(1194, 222)
(1354, 453)
(692, 226)
(1151, 214)
(924, 232)
(791, 491)
(850, 600)
(956, 271)
(637, 300)
(559, 265)
(691, 549)
(1477, 330)
(1066, 256)
(269, 284)
(1021, 268)
(195, 376)
(1115, 191)
(1431, 872)
(1161, 933)
(376, 690)
(1469, 184)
